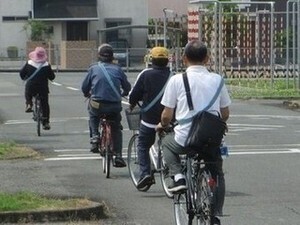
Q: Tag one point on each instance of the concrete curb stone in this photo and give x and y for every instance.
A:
(93, 212)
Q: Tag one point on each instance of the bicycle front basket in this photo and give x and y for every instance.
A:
(133, 118)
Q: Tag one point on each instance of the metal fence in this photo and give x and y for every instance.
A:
(250, 40)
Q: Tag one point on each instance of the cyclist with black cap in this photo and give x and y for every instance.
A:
(105, 84)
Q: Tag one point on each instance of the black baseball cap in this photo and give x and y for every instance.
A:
(105, 50)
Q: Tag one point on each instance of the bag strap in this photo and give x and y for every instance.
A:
(187, 91)
(35, 72)
(145, 109)
(107, 76)
(183, 121)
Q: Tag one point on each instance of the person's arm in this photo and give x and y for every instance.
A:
(166, 118)
(86, 85)
(24, 72)
(51, 75)
(224, 113)
(126, 86)
(137, 92)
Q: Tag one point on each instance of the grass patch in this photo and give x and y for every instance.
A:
(262, 88)
(11, 150)
(25, 201)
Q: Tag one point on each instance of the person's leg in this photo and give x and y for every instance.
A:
(45, 107)
(171, 152)
(217, 173)
(146, 139)
(94, 121)
(28, 99)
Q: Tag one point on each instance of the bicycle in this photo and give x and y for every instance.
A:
(106, 145)
(196, 204)
(37, 113)
(157, 162)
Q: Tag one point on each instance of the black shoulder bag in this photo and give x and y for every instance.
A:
(207, 130)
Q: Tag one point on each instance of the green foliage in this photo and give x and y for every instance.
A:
(39, 30)
(27, 201)
(263, 88)
(6, 147)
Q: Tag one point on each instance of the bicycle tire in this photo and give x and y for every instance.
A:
(165, 179)
(180, 209)
(108, 161)
(38, 115)
(205, 197)
(133, 162)
(103, 150)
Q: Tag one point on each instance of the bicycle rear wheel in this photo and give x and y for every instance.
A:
(38, 116)
(133, 162)
(108, 159)
(180, 209)
(204, 197)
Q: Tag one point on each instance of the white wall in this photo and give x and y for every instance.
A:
(12, 32)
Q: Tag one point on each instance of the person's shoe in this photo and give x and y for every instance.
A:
(28, 108)
(178, 186)
(216, 221)
(46, 126)
(144, 181)
(94, 148)
(119, 162)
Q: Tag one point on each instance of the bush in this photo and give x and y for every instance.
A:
(12, 51)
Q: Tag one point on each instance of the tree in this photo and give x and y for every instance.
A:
(39, 30)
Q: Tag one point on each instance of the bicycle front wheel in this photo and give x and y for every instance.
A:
(133, 162)
(166, 179)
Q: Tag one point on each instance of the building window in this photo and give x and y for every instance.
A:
(14, 18)
(77, 31)
(118, 33)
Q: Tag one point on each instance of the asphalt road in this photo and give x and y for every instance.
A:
(262, 181)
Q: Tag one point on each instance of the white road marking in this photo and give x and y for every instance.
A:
(232, 152)
(74, 89)
(57, 84)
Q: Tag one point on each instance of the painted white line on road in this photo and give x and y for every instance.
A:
(57, 84)
(71, 150)
(231, 153)
(72, 158)
(74, 89)
(76, 155)
(9, 94)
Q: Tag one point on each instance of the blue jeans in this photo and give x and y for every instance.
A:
(171, 152)
(113, 112)
(146, 139)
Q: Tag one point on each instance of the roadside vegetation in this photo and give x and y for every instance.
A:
(25, 201)
(254, 88)
(10, 150)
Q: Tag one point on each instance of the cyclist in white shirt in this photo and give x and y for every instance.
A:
(203, 86)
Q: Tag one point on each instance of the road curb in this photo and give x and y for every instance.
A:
(93, 212)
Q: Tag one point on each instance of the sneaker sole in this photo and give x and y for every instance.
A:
(144, 182)
(178, 188)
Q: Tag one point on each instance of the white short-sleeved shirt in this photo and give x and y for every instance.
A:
(203, 86)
